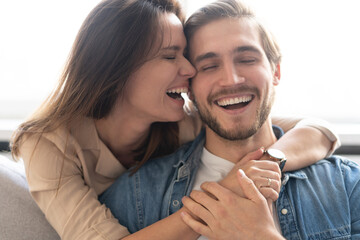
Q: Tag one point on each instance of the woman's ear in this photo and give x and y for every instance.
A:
(277, 75)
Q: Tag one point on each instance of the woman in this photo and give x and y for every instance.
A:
(116, 105)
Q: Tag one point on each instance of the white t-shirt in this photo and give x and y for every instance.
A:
(213, 168)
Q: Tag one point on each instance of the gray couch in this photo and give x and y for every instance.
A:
(20, 217)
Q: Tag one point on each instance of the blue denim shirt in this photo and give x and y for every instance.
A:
(321, 201)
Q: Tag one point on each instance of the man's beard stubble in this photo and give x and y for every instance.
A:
(240, 132)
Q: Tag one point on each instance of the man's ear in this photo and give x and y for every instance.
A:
(277, 75)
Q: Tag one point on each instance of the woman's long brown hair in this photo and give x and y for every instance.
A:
(114, 40)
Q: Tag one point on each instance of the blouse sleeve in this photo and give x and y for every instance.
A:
(286, 123)
(56, 183)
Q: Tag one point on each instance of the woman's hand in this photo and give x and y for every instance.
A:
(265, 174)
(226, 215)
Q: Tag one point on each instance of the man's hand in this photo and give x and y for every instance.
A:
(265, 174)
(230, 216)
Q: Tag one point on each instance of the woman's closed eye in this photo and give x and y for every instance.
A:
(169, 57)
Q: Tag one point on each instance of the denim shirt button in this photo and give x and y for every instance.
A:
(175, 203)
(284, 211)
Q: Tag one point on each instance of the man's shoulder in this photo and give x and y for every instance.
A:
(339, 161)
(334, 167)
(328, 189)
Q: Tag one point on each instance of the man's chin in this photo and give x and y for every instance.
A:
(234, 134)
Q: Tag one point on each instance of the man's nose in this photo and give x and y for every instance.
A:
(231, 76)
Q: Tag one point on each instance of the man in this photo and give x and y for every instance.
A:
(238, 65)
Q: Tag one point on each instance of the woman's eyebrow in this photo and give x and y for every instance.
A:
(174, 48)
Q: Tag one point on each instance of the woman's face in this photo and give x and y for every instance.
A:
(153, 91)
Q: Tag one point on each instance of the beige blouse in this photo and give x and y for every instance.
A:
(87, 168)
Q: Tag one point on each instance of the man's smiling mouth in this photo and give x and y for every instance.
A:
(234, 102)
(175, 93)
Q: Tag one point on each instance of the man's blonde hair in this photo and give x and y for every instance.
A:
(233, 9)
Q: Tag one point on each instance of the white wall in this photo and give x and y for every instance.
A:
(319, 39)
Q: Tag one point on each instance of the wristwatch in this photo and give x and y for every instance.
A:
(277, 156)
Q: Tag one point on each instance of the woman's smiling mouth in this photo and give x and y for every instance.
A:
(175, 93)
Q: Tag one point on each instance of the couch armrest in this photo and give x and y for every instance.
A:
(20, 217)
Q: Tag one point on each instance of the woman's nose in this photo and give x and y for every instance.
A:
(187, 69)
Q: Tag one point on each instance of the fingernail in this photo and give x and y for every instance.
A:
(262, 149)
(242, 174)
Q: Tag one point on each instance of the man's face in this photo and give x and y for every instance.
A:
(234, 85)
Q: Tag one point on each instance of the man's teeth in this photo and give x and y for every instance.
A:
(232, 101)
(178, 90)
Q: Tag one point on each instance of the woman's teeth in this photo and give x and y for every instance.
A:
(175, 93)
(178, 90)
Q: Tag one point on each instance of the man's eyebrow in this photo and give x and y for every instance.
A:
(205, 56)
(208, 55)
(247, 49)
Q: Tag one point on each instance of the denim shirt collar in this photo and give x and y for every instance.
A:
(190, 160)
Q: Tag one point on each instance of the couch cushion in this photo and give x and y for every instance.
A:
(20, 217)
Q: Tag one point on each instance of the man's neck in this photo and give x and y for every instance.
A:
(235, 150)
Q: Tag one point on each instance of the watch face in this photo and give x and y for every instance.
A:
(276, 153)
